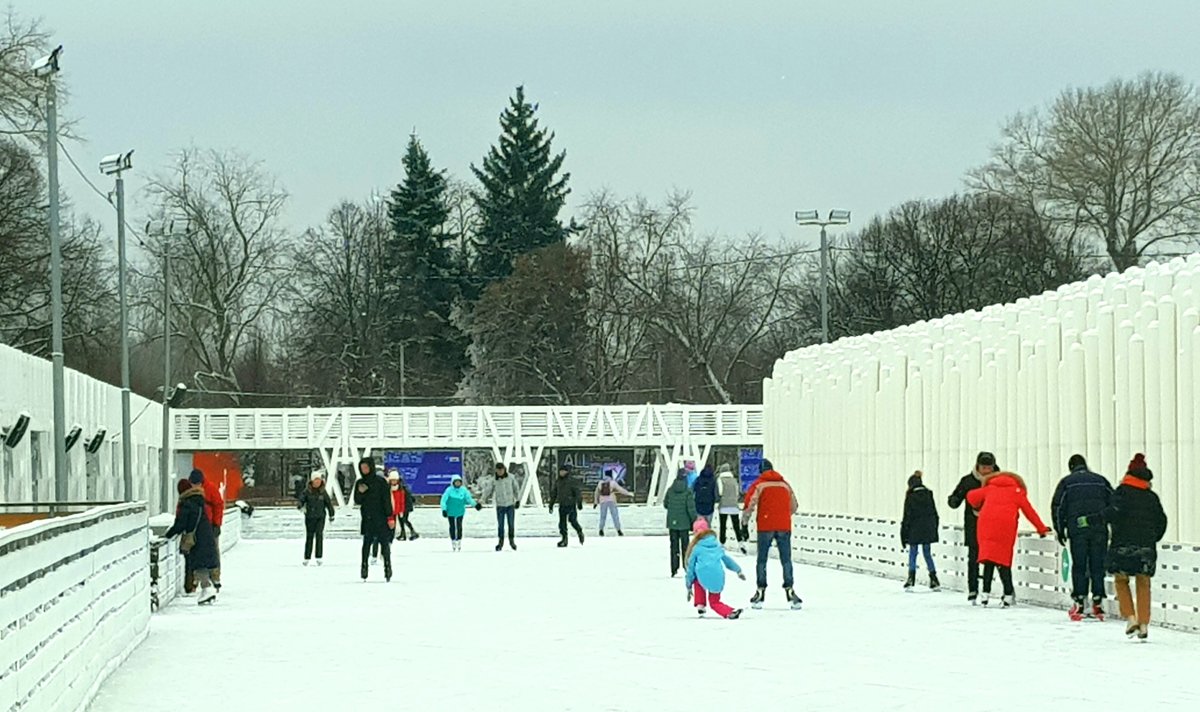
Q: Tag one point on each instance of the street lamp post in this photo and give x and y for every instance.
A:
(46, 68)
(115, 165)
(812, 217)
(168, 394)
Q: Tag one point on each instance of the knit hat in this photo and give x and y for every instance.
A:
(724, 468)
(1077, 462)
(183, 485)
(316, 475)
(985, 459)
(765, 465)
(393, 475)
(197, 477)
(699, 525)
(1138, 468)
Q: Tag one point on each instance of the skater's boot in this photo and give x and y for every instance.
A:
(1098, 609)
(306, 562)
(793, 599)
(1007, 600)
(414, 536)
(701, 610)
(910, 581)
(1143, 632)
(363, 571)
(601, 532)
(1131, 626)
(620, 533)
(735, 614)
(973, 598)
(562, 543)
(500, 544)
(983, 599)
(756, 601)
(1076, 612)
(934, 584)
(580, 533)
(387, 570)
(208, 595)
(513, 543)
(318, 562)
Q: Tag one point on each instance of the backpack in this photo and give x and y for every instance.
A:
(605, 488)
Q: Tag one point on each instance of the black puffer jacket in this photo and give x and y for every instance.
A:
(192, 517)
(1138, 523)
(375, 504)
(920, 524)
(566, 492)
(315, 502)
(959, 495)
(1079, 494)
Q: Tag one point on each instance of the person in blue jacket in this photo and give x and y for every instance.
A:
(1081, 494)
(455, 501)
(706, 564)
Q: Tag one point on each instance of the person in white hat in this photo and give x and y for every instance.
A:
(315, 503)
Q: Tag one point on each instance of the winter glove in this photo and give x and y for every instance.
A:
(1082, 522)
(478, 507)
(581, 506)
(217, 531)
(552, 509)
(444, 515)
(742, 576)
(517, 505)
(594, 505)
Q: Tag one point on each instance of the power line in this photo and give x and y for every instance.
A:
(71, 159)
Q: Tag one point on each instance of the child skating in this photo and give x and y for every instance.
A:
(706, 564)
(455, 501)
(919, 528)
(315, 502)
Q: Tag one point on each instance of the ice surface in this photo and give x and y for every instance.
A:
(602, 627)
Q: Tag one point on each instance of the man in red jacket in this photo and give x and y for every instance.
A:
(772, 499)
(214, 506)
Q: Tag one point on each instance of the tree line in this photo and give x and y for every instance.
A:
(446, 290)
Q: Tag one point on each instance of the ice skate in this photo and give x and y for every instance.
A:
(414, 536)
(735, 614)
(701, 610)
(1131, 626)
(562, 543)
(756, 601)
(1076, 612)
(983, 599)
(1098, 609)
(601, 532)
(500, 545)
(387, 571)
(1007, 600)
(374, 561)
(305, 562)
(1143, 633)
(620, 533)
(319, 562)
(744, 550)
(363, 571)
(793, 599)
(513, 543)
(972, 598)
(580, 533)
(910, 581)
(207, 597)
(934, 584)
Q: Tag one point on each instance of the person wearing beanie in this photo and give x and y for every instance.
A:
(214, 504)
(315, 502)
(1080, 494)
(1000, 499)
(399, 499)
(707, 494)
(605, 498)
(771, 501)
(705, 577)
(1138, 523)
(373, 497)
(985, 464)
(404, 528)
(567, 493)
(919, 528)
(680, 504)
(455, 501)
(729, 509)
(197, 541)
(506, 495)
(189, 574)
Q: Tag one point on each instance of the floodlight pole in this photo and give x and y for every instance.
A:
(836, 217)
(164, 453)
(61, 471)
(126, 423)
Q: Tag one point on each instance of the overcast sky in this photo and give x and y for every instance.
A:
(759, 108)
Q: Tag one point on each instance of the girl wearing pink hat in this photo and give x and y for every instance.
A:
(706, 564)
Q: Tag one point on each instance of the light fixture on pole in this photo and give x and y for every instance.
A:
(47, 68)
(115, 165)
(170, 397)
(812, 217)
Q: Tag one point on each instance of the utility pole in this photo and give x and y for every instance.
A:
(116, 165)
(812, 217)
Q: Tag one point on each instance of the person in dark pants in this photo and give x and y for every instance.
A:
(772, 503)
(680, 503)
(919, 528)
(315, 502)
(985, 464)
(373, 496)
(404, 522)
(1082, 493)
(568, 495)
(506, 495)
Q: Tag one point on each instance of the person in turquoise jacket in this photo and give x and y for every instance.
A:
(455, 501)
(706, 564)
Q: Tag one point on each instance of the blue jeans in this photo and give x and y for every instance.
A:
(912, 558)
(784, 541)
(504, 514)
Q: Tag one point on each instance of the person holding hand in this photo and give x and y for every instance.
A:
(455, 501)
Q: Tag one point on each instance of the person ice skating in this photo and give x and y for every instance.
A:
(399, 497)
(998, 501)
(731, 497)
(606, 498)
(373, 496)
(568, 495)
(189, 574)
(680, 504)
(1138, 523)
(705, 489)
(315, 502)
(1080, 494)
(405, 521)
(214, 503)
(506, 495)
(455, 501)
(919, 528)
(198, 542)
(706, 564)
(985, 464)
(772, 502)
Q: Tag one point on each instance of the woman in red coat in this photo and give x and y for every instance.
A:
(998, 501)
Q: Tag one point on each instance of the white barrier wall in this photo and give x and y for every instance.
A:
(74, 602)
(1106, 368)
(167, 566)
(27, 471)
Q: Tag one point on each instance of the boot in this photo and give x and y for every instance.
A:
(735, 614)
(983, 600)
(500, 544)
(601, 532)
(934, 584)
(363, 571)
(620, 533)
(910, 581)
(1007, 600)
(580, 533)
(1098, 609)
(1131, 626)
(208, 596)
(793, 599)
(306, 562)
(972, 597)
(414, 536)
(387, 571)
(1076, 612)
(1143, 632)
(562, 543)
(756, 601)
(513, 543)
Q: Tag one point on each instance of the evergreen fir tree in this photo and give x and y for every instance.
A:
(522, 192)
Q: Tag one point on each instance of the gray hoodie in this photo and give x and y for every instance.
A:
(731, 488)
(505, 491)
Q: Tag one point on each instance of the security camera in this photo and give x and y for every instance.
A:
(73, 437)
(47, 65)
(116, 163)
(178, 393)
(12, 435)
(91, 446)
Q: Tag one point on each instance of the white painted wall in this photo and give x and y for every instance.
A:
(1106, 367)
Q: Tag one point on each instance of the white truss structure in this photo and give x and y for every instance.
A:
(515, 435)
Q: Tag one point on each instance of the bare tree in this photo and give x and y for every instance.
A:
(1121, 162)
(22, 95)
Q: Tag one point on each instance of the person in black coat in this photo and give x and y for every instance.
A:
(373, 496)
(199, 541)
(567, 493)
(985, 464)
(1138, 523)
(316, 503)
(919, 528)
(706, 493)
(1081, 494)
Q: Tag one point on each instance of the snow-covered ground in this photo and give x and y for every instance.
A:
(602, 627)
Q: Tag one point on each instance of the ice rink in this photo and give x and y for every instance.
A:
(603, 627)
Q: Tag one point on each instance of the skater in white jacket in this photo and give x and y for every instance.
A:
(606, 499)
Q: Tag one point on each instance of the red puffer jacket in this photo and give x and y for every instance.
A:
(214, 503)
(773, 500)
(398, 502)
(999, 500)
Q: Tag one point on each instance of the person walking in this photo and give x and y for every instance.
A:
(1080, 494)
(707, 495)
(998, 501)
(680, 503)
(919, 528)
(214, 503)
(506, 495)
(405, 520)
(373, 497)
(568, 495)
(1138, 523)
(706, 564)
(772, 502)
(985, 464)
(729, 506)
(455, 501)
(315, 502)
(605, 497)
(197, 540)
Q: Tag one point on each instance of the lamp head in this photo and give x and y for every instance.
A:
(48, 65)
(839, 216)
(117, 162)
(803, 216)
